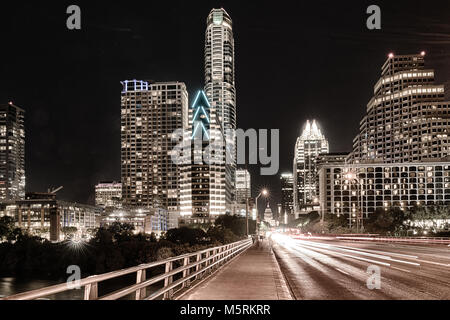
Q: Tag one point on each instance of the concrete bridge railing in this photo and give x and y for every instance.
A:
(178, 274)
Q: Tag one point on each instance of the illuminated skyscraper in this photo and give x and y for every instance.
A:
(12, 152)
(243, 187)
(407, 120)
(309, 145)
(219, 67)
(220, 79)
(151, 113)
(287, 194)
(205, 191)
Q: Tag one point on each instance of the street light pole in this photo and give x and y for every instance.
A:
(246, 213)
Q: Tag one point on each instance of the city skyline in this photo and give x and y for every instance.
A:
(80, 153)
(225, 151)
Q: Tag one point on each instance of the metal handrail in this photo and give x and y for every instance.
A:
(220, 255)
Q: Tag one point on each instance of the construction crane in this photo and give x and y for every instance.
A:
(55, 190)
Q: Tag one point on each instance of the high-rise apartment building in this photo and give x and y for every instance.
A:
(12, 152)
(219, 67)
(362, 188)
(205, 189)
(407, 120)
(243, 187)
(220, 80)
(287, 194)
(151, 114)
(309, 146)
(108, 194)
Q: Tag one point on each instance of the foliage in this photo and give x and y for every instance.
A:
(429, 217)
(8, 231)
(384, 221)
(186, 235)
(237, 224)
(306, 222)
(69, 230)
(221, 235)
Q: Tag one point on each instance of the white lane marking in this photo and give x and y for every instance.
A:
(350, 256)
(385, 252)
(436, 263)
(341, 271)
(404, 270)
(332, 247)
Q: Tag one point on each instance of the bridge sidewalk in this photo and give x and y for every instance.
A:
(254, 275)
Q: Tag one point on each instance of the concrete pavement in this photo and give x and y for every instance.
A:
(254, 275)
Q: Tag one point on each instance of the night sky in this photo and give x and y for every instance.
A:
(295, 60)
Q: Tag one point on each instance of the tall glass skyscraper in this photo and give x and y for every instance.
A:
(150, 114)
(243, 185)
(220, 80)
(12, 152)
(204, 188)
(219, 67)
(407, 119)
(287, 193)
(309, 145)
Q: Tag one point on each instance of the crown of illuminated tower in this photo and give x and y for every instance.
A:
(201, 117)
(312, 131)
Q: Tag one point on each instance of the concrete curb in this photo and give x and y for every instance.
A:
(284, 290)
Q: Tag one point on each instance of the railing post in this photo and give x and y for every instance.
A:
(198, 266)
(225, 254)
(221, 256)
(186, 272)
(91, 291)
(168, 280)
(207, 262)
(140, 277)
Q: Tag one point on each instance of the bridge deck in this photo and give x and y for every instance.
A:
(255, 275)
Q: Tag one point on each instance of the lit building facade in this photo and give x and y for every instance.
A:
(151, 113)
(287, 194)
(220, 80)
(243, 185)
(12, 152)
(205, 189)
(43, 215)
(308, 147)
(407, 120)
(240, 209)
(268, 216)
(362, 188)
(158, 221)
(132, 215)
(336, 157)
(108, 194)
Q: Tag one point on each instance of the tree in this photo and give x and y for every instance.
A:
(121, 231)
(306, 221)
(186, 235)
(429, 217)
(385, 220)
(221, 234)
(237, 224)
(8, 230)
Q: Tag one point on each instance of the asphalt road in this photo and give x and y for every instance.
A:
(322, 269)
